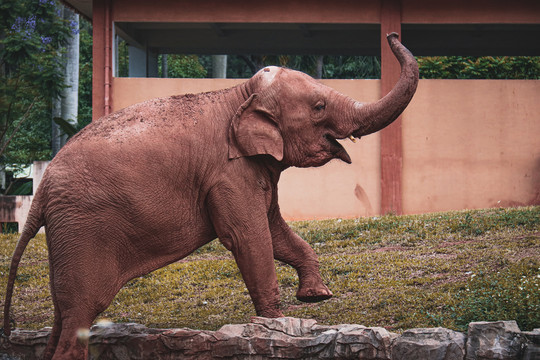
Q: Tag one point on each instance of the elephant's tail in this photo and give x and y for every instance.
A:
(34, 222)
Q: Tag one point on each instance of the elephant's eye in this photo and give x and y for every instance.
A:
(320, 106)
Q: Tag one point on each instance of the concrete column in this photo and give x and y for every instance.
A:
(102, 59)
(67, 105)
(151, 63)
(219, 66)
(391, 142)
(164, 66)
(137, 61)
(56, 141)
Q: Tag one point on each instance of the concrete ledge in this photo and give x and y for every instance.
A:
(290, 338)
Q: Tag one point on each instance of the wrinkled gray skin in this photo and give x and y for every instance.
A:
(147, 185)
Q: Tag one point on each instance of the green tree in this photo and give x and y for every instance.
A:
(31, 36)
(487, 67)
(352, 67)
(185, 66)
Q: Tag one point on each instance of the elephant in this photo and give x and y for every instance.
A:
(147, 185)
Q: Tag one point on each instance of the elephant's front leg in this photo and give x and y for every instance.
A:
(295, 251)
(241, 223)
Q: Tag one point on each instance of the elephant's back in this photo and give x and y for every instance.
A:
(133, 121)
(159, 140)
(154, 144)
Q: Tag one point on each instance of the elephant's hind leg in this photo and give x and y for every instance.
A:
(76, 316)
(55, 336)
(81, 293)
(57, 326)
(70, 344)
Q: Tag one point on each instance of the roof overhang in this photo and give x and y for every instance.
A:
(330, 38)
(83, 7)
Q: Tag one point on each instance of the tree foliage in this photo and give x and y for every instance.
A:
(185, 66)
(32, 34)
(487, 67)
(352, 67)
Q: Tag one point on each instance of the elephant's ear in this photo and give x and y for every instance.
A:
(253, 131)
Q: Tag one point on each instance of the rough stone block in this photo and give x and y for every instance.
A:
(25, 344)
(494, 340)
(356, 341)
(124, 341)
(532, 346)
(432, 343)
(287, 325)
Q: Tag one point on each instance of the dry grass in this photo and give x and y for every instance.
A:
(399, 272)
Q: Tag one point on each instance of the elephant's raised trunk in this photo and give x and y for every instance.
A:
(369, 118)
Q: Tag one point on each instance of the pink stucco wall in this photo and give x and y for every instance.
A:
(472, 144)
(466, 144)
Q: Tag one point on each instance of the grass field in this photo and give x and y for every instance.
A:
(398, 272)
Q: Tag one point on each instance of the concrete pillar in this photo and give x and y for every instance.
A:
(152, 63)
(102, 59)
(67, 104)
(137, 61)
(219, 66)
(391, 142)
(164, 66)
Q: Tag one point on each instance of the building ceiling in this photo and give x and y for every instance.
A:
(335, 39)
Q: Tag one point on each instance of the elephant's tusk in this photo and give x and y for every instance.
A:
(352, 138)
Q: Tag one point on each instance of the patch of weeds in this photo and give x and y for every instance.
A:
(472, 225)
(213, 247)
(512, 293)
(201, 294)
(23, 277)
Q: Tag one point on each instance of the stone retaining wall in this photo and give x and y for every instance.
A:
(291, 338)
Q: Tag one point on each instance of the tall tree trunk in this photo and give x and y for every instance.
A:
(56, 135)
(66, 107)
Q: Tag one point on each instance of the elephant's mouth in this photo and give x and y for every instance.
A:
(337, 150)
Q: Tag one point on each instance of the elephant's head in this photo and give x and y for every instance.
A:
(298, 121)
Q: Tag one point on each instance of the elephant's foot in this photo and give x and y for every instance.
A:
(270, 312)
(313, 293)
